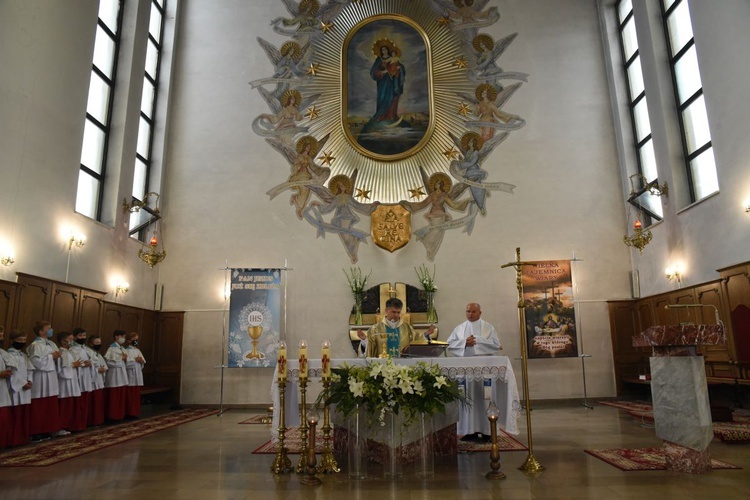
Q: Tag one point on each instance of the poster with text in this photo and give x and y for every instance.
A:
(254, 318)
(550, 310)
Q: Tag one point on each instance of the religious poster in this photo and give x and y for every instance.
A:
(254, 318)
(549, 309)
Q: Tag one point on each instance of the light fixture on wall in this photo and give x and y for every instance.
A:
(675, 273)
(7, 260)
(645, 197)
(137, 205)
(640, 238)
(121, 288)
(747, 207)
(77, 240)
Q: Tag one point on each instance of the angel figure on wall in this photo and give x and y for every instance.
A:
(440, 193)
(289, 64)
(304, 16)
(467, 14)
(468, 169)
(487, 105)
(283, 122)
(487, 52)
(337, 198)
(305, 173)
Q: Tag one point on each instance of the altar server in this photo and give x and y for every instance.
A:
(116, 380)
(45, 414)
(5, 403)
(73, 411)
(474, 337)
(134, 366)
(86, 371)
(20, 384)
(97, 407)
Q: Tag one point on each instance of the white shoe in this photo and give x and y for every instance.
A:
(61, 432)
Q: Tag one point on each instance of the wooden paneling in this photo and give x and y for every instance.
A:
(629, 361)
(7, 308)
(168, 352)
(645, 314)
(147, 346)
(65, 307)
(710, 296)
(736, 285)
(662, 315)
(33, 299)
(92, 312)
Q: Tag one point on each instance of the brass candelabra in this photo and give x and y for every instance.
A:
(281, 463)
(310, 478)
(327, 461)
(495, 473)
(302, 464)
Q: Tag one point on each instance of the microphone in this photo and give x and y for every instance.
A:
(716, 309)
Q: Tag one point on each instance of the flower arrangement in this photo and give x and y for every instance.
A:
(425, 278)
(357, 281)
(382, 387)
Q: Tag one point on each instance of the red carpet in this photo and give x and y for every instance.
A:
(293, 444)
(75, 445)
(735, 432)
(643, 459)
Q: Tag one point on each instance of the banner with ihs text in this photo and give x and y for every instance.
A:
(550, 310)
(254, 318)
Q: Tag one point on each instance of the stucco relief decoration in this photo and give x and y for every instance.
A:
(378, 103)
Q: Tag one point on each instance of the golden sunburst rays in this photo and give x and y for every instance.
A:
(386, 181)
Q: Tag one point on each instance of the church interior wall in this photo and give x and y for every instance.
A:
(565, 161)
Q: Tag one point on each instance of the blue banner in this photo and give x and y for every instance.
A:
(254, 318)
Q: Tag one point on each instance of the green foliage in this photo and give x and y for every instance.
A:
(425, 278)
(386, 387)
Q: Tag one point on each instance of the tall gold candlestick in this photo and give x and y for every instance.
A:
(328, 463)
(281, 464)
(310, 478)
(302, 464)
(495, 473)
(531, 465)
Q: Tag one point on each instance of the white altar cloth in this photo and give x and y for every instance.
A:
(497, 370)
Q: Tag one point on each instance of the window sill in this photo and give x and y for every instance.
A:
(688, 207)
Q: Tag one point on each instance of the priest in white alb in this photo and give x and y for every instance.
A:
(473, 337)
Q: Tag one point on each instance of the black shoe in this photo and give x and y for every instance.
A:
(37, 438)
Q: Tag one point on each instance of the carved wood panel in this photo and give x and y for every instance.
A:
(737, 287)
(168, 353)
(65, 307)
(33, 301)
(91, 312)
(147, 346)
(7, 307)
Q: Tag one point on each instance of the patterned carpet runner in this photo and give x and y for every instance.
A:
(75, 445)
(643, 459)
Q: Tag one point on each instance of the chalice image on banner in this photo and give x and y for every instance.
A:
(255, 319)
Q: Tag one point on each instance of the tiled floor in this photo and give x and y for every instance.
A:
(211, 458)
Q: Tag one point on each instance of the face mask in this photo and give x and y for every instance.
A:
(19, 345)
(120, 340)
(96, 347)
(81, 341)
(49, 333)
(135, 343)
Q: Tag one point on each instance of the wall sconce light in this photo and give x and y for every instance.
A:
(7, 260)
(674, 273)
(640, 237)
(76, 239)
(747, 207)
(121, 288)
(136, 205)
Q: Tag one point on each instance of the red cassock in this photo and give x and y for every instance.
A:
(97, 409)
(133, 401)
(19, 430)
(45, 415)
(115, 397)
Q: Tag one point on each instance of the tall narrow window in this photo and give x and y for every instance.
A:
(99, 110)
(644, 143)
(691, 106)
(140, 221)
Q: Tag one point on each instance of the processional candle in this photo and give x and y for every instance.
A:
(325, 360)
(302, 360)
(281, 362)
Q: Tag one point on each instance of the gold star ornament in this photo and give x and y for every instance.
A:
(313, 69)
(326, 27)
(312, 113)
(451, 153)
(464, 109)
(444, 20)
(363, 193)
(327, 158)
(416, 192)
(460, 62)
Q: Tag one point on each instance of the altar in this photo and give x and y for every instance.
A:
(478, 375)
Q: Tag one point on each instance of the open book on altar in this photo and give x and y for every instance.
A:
(423, 349)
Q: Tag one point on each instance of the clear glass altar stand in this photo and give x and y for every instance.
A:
(682, 413)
